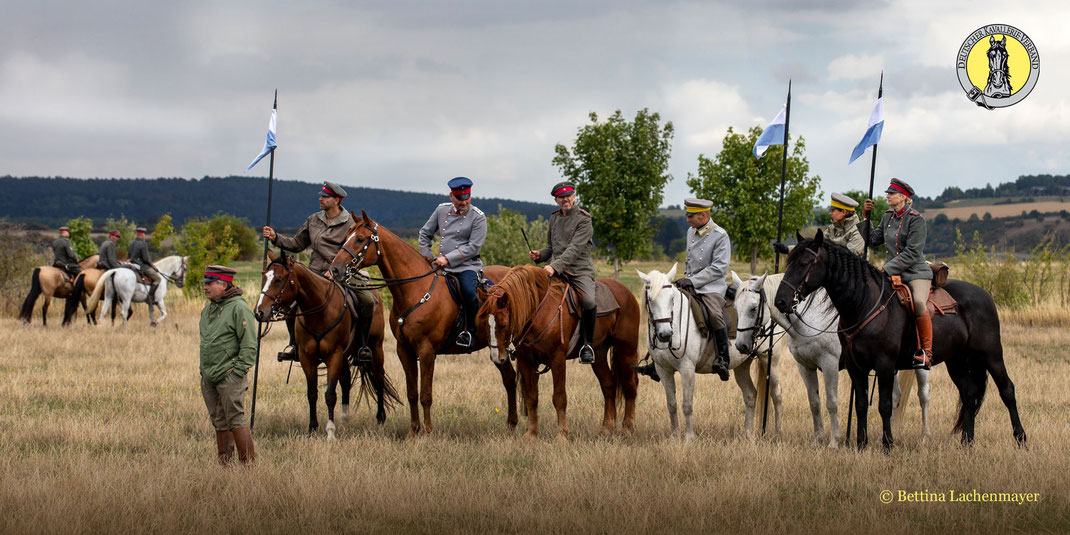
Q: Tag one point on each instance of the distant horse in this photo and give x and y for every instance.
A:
(325, 333)
(878, 333)
(812, 339)
(999, 75)
(50, 282)
(423, 313)
(84, 284)
(676, 345)
(526, 311)
(122, 285)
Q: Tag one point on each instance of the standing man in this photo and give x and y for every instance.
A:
(463, 228)
(65, 258)
(228, 350)
(107, 257)
(325, 233)
(705, 268)
(569, 256)
(139, 254)
(844, 228)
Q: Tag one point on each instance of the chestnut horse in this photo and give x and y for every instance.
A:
(527, 311)
(50, 282)
(423, 312)
(324, 333)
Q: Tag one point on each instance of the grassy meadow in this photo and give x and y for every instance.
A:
(102, 429)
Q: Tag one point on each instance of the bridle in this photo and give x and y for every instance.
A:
(652, 339)
(797, 291)
(280, 311)
(762, 331)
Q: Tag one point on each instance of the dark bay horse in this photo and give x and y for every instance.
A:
(49, 282)
(877, 332)
(324, 333)
(526, 311)
(423, 312)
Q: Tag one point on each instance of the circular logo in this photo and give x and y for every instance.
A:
(998, 65)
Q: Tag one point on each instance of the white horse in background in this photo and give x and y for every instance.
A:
(122, 285)
(675, 345)
(815, 344)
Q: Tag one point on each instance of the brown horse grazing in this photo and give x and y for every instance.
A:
(423, 313)
(325, 332)
(51, 282)
(527, 311)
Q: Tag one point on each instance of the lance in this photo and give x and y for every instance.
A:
(260, 324)
(776, 262)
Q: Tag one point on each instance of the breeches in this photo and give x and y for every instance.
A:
(919, 292)
(714, 303)
(586, 285)
(469, 280)
(151, 273)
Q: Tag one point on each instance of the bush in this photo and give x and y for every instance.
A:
(975, 263)
(16, 266)
(83, 245)
(206, 242)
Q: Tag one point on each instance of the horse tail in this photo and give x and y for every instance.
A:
(74, 299)
(907, 378)
(981, 385)
(520, 390)
(760, 385)
(91, 305)
(35, 290)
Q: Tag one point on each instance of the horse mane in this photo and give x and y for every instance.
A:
(847, 272)
(656, 284)
(525, 285)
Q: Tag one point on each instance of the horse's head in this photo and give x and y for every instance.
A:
(750, 305)
(180, 275)
(360, 249)
(660, 301)
(997, 53)
(279, 287)
(807, 269)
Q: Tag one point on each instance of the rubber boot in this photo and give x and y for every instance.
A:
(648, 370)
(363, 357)
(587, 320)
(923, 359)
(290, 352)
(224, 442)
(243, 438)
(720, 367)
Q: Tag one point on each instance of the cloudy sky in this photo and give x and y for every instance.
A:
(405, 95)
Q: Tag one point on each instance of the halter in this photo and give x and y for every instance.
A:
(178, 278)
(797, 291)
(279, 311)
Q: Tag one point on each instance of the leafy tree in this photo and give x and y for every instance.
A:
(745, 191)
(505, 243)
(126, 234)
(83, 244)
(620, 169)
(161, 232)
(206, 242)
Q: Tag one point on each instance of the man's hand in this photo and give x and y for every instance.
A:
(867, 208)
(549, 270)
(441, 261)
(533, 255)
(328, 275)
(269, 233)
(685, 284)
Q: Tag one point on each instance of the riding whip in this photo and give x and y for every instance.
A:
(525, 235)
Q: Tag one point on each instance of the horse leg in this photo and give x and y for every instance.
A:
(412, 387)
(809, 378)
(608, 383)
(687, 397)
(557, 369)
(330, 396)
(831, 372)
(860, 380)
(346, 380)
(525, 367)
(427, 378)
(774, 389)
(922, 378)
(163, 310)
(509, 381)
(44, 309)
(624, 355)
(998, 369)
(964, 379)
(311, 379)
(885, 381)
(750, 395)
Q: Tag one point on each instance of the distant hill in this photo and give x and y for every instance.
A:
(53, 201)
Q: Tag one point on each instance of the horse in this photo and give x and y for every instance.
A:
(522, 311)
(84, 284)
(676, 345)
(999, 76)
(422, 315)
(815, 348)
(325, 333)
(877, 333)
(50, 282)
(122, 285)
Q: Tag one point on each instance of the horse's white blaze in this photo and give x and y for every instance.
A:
(270, 276)
(491, 324)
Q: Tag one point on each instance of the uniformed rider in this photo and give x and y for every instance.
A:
(844, 227)
(107, 257)
(65, 258)
(463, 228)
(705, 271)
(139, 254)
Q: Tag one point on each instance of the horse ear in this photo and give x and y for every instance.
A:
(672, 272)
(735, 278)
(503, 300)
(364, 216)
(991, 39)
(761, 280)
(643, 277)
(819, 238)
(798, 236)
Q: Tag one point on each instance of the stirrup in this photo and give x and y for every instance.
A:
(464, 339)
(362, 357)
(648, 370)
(586, 354)
(922, 360)
(288, 353)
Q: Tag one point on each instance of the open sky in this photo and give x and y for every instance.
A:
(405, 95)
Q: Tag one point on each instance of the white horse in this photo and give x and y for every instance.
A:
(815, 344)
(676, 345)
(121, 285)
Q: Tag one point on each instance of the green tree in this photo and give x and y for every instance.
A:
(243, 236)
(161, 232)
(126, 234)
(620, 169)
(745, 191)
(83, 244)
(205, 242)
(880, 205)
(505, 243)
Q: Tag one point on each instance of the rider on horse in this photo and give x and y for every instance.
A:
(463, 228)
(902, 230)
(844, 227)
(139, 254)
(65, 259)
(325, 232)
(107, 257)
(569, 255)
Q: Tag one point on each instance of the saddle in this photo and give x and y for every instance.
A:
(604, 301)
(141, 277)
(939, 301)
(702, 316)
(68, 277)
(453, 284)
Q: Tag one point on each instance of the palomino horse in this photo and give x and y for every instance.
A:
(878, 333)
(529, 313)
(423, 312)
(122, 285)
(812, 339)
(325, 332)
(676, 345)
(50, 282)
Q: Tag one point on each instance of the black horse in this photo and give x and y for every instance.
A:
(878, 333)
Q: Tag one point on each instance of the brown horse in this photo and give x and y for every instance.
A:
(324, 333)
(50, 282)
(84, 285)
(527, 311)
(423, 313)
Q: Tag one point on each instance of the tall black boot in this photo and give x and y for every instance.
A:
(466, 338)
(587, 319)
(364, 353)
(290, 351)
(648, 370)
(151, 298)
(720, 367)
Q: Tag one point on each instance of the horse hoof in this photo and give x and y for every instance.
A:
(529, 435)
(605, 431)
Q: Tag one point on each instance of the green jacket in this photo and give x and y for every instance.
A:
(570, 243)
(847, 234)
(228, 338)
(64, 252)
(904, 235)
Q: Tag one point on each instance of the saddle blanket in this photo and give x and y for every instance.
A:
(603, 297)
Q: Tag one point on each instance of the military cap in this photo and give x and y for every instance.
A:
(140, 229)
(330, 189)
(68, 229)
(113, 233)
(898, 186)
(460, 187)
(563, 189)
(693, 205)
(218, 273)
(843, 202)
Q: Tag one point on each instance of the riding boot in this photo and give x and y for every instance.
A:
(587, 320)
(923, 359)
(720, 367)
(648, 370)
(364, 353)
(467, 337)
(243, 438)
(290, 351)
(151, 298)
(224, 441)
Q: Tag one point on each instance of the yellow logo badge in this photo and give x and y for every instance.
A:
(998, 65)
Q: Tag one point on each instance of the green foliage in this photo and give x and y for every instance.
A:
(620, 169)
(977, 264)
(745, 191)
(213, 241)
(126, 234)
(161, 232)
(880, 205)
(83, 244)
(243, 236)
(505, 243)
(16, 266)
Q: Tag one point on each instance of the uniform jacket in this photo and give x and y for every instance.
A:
(570, 243)
(324, 236)
(139, 253)
(847, 234)
(707, 259)
(228, 338)
(462, 236)
(64, 252)
(904, 236)
(108, 258)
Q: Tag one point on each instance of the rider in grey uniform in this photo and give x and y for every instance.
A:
(139, 254)
(64, 253)
(463, 228)
(705, 270)
(107, 258)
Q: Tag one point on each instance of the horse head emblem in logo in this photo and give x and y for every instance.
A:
(999, 76)
(1008, 55)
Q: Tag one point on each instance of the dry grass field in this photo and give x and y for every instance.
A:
(102, 429)
(997, 210)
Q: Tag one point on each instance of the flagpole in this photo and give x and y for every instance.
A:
(776, 262)
(260, 324)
